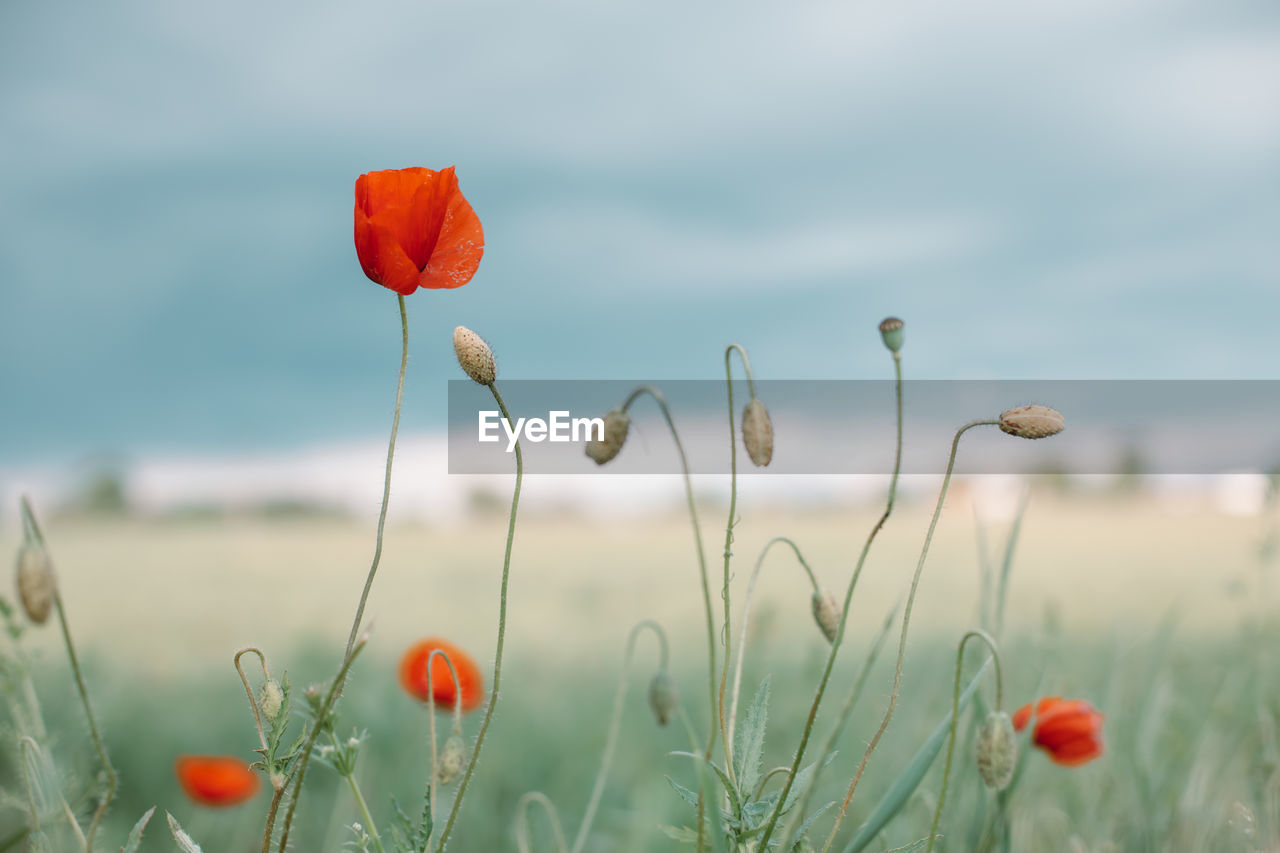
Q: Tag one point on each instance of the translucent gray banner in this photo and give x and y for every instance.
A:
(847, 426)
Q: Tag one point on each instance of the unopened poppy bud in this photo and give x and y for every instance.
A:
(452, 758)
(1032, 422)
(997, 751)
(36, 583)
(827, 614)
(891, 333)
(757, 433)
(663, 698)
(474, 355)
(271, 699)
(616, 424)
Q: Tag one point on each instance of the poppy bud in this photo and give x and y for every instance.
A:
(997, 751)
(757, 433)
(36, 583)
(271, 699)
(663, 698)
(474, 355)
(891, 333)
(616, 424)
(1032, 422)
(452, 757)
(827, 614)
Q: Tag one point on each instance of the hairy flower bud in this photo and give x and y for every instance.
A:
(891, 333)
(616, 424)
(1032, 422)
(663, 698)
(827, 614)
(452, 757)
(997, 751)
(474, 355)
(271, 699)
(757, 433)
(36, 583)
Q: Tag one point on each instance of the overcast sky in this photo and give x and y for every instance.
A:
(1065, 189)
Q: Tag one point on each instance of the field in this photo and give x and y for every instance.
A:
(1157, 614)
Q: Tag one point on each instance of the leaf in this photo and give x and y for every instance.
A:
(918, 844)
(185, 843)
(134, 840)
(690, 797)
(683, 834)
(748, 746)
(909, 779)
(804, 827)
(734, 802)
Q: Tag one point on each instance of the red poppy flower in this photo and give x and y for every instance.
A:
(1068, 730)
(216, 780)
(415, 229)
(415, 681)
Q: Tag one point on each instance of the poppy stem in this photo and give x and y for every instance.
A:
(746, 617)
(33, 529)
(349, 654)
(253, 702)
(906, 625)
(522, 821)
(615, 724)
(502, 633)
(844, 612)
(369, 825)
(955, 714)
(433, 783)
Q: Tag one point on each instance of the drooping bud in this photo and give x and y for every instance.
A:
(1032, 422)
(452, 757)
(663, 697)
(826, 612)
(37, 585)
(891, 333)
(474, 355)
(757, 433)
(271, 699)
(616, 424)
(997, 751)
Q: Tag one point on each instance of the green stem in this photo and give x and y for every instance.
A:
(368, 583)
(522, 821)
(433, 781)
(955, 715)
(906, 625)
(502, 634)
(844, 612)
(369, 825)
(615, 725)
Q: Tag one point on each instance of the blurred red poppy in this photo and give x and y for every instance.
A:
(1068, 730)
(415, 681)
(216, 780)
(414, 228)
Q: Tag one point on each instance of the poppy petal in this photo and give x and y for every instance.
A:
(457, 253)
(382, 258)
(376, 191)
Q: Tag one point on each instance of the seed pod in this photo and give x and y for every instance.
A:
(36, 584)
(474, 355)
(271, 699)
(663, 698)
(616, 424)
(997, 751)
(891, 333)
(452, 757)
(757, 433)
(1032, 422)
(827, 614)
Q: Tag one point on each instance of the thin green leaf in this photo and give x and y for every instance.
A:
(185, 843)
(690, 797)
(804, 827)
(134, 840)
(748, 748)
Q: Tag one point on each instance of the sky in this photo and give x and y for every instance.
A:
(1066, 189)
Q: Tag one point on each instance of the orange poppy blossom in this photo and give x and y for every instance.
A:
(1068, 730)
(414, 228)
(415, 681)
(216, 780)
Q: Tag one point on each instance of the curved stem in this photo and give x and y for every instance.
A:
(373, 568)
(746, 617)
(109, 794)
(253, 702)
(615, 725)
(844, 612)
(906, 625)
(502, 634)
(433, 782)
(522, 820)
(955, 714)
(765, 780)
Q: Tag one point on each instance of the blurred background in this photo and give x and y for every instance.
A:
(197, 379)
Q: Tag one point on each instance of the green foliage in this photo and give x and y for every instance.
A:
(134, 841)
(185, 843)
